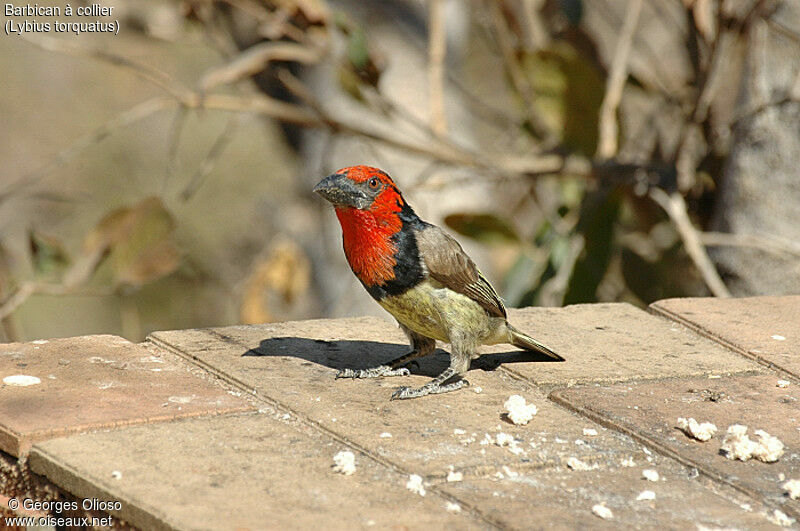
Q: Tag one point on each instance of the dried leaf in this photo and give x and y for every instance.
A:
(276, 283)
(139, 242)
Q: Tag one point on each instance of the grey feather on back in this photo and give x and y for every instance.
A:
(448, 264)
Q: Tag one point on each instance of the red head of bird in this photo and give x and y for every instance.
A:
(371, 211)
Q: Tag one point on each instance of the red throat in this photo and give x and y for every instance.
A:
(367, 239)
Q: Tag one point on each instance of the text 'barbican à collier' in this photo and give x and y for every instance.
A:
(35, 10)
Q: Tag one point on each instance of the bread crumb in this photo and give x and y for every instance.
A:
(737, 445)
(700, 431)
(602, 511)
(414, 484)
(783, 383)
(792, 488)
(519, 412)
(452, 507)
(386, 435)
(646, 495)
(116, 474)
(503, 440)
(778, 337)
(459, 431)
(477, 389)
(780, 518)
(650, 474)
(589, 432)
(344, 462)
(628, 462)
(452, 475)
(576, 464)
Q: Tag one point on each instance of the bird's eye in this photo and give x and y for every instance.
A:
(373, 183)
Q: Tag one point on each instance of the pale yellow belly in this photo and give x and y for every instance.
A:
(441, 313)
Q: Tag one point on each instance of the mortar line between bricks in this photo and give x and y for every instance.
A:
(624, 428)
(668, 315)
(470, 508)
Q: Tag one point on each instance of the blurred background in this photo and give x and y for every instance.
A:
(604, 150)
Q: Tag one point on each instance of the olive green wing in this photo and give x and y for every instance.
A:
(448, 264)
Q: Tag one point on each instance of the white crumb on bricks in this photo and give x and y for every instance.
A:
(477, 389)
(602, 511)
(700, 431)
(21, 380)
(452, 507)
(780, 518)
(414, 484)
(646, 495)
(116, 474)
(344, 462)
(782, 383)
(792, 488)
(576, 464)
(737, 445)
(386, 435)
(778, 337)
(459, 431)
(589, 432)
(452, 475)
(627, 462)
(650, 475)
(519, 412)
(503, 440)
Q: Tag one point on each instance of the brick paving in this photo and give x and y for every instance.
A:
(239, 428)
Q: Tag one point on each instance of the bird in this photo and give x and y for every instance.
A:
(421, 276)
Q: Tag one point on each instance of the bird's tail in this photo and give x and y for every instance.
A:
(523, 341)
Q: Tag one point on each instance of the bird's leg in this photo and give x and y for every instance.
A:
(420, 346)
(459, 363)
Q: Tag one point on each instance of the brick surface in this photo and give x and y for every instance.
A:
(298, 374)
(293, 365)
(614, 342)
(765, 328)
(249, 471)
(561, 498)
(95, 382)
(649, 411)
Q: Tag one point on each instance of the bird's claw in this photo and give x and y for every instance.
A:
(373, 372)
(404, 393)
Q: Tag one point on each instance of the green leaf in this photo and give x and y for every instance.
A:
(569, 90)
(486, 228)
(599, 214)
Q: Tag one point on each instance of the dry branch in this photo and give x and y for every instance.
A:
(607, 144)
(437, 49)
(675, 207)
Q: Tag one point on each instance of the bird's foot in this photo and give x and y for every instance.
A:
(372, 372)
(404, 393)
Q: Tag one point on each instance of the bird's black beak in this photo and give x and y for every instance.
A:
(341, 192)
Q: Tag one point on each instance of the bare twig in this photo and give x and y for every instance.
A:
(211, 158)
(515, 73)
(255, 59)
(675, 207)
(763, 242)
(134, 114)
(73, 279)
(538, 37)
(437, 49)
(607, 145)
